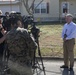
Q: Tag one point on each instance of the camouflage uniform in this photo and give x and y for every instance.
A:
(21, 48)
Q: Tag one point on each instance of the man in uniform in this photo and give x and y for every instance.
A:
(21, 48)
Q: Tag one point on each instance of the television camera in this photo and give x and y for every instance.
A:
(28, 20)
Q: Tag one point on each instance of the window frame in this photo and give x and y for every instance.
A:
(45, 4)
(66, 8)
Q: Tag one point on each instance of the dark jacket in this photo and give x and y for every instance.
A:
(1, 45)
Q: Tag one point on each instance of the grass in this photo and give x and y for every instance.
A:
(51, 43)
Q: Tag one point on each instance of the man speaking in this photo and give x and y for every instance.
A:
(69, 35)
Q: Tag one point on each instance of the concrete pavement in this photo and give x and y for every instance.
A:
(52, 67)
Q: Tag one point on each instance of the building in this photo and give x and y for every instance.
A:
(48, 10)
(8, 6)
(53, 10)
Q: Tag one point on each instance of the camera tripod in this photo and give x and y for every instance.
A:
(36, 65)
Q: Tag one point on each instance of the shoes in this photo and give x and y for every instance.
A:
(70, 69)
(63, 66)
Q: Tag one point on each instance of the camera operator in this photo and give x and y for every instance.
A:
(2, 43)
(21, 48)
(2, 40)
(6, 21)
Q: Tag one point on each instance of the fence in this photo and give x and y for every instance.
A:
(51, 43)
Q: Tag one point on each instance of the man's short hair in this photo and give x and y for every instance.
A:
(69, 15)
(13, 20)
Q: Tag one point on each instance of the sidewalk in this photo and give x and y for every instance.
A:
(52, 67)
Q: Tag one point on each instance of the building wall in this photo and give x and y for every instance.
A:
(53, 10)
(23, 9)
(71, 9)
(6, 6)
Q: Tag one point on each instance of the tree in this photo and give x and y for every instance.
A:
(30, 7)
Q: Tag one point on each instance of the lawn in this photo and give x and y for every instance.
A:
(51, 43)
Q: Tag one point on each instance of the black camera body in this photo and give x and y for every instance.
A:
(27, 20)
(35, 31)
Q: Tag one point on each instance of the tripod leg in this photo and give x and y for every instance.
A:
(42, 62)
(40, 57)
(33, 61)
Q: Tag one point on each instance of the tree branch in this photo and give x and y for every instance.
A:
(39, 4)
(32, 4)
(29, 8)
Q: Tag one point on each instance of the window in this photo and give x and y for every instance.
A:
(42, 8)
(65, 7)
(37, 9)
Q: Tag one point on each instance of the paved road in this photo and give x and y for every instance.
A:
(53, 68)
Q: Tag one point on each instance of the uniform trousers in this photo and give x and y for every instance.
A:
(1, 63)
(17, 69)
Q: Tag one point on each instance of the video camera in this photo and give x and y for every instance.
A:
(35, 31)
(27, 20)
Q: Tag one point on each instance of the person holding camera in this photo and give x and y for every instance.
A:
(6, 21)
(21, 49)
(69, 35)
(2, 44)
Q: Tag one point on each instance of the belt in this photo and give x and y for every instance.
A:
(70, 39)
